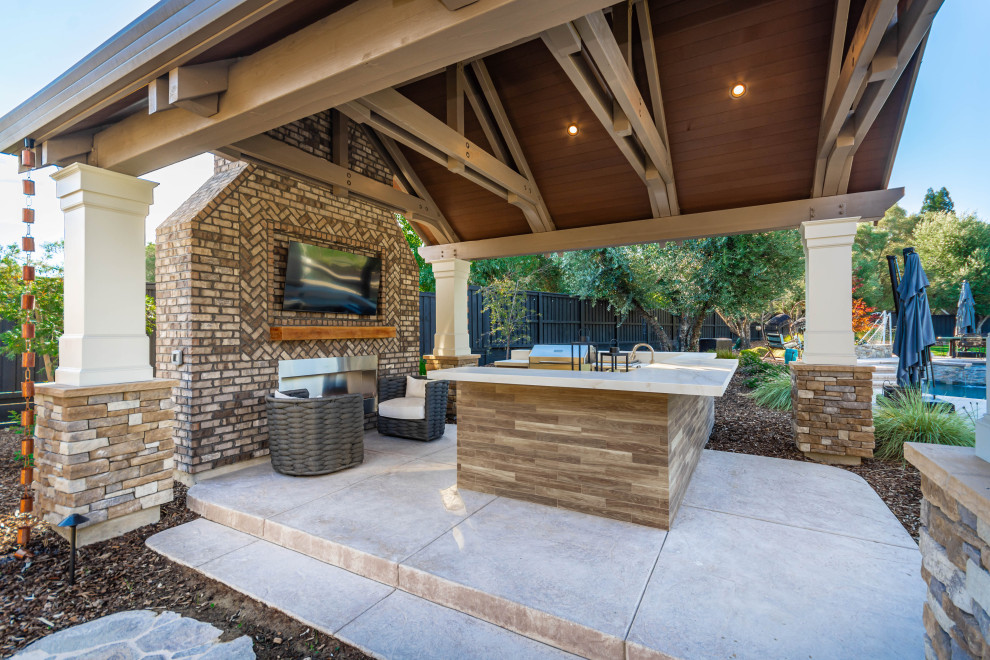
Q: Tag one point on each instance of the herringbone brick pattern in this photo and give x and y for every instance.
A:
(221, 271)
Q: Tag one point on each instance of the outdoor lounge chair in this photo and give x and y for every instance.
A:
(775, 342)
(414, 417)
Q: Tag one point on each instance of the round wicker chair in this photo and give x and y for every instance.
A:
(315, 436)
(435, 408)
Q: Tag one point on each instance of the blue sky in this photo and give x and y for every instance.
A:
(946, 139)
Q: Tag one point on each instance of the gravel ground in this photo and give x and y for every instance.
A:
(123, 574)
(744, 427)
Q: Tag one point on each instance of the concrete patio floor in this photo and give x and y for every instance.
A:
(767, 558)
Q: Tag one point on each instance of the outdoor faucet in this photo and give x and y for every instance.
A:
(652, 353)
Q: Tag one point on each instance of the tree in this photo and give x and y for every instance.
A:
(937, 202)
(625, 277)
(426, 279)
(48, 313)
(757, 276)
(149, 262)
(954, 249)
(505, 303)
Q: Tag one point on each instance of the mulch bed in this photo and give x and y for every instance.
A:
(123, 574)
(744, 427)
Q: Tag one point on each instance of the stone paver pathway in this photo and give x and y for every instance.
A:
(139, 634)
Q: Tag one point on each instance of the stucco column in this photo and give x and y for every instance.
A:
(828, 335)
(452, 337)
(105, 340)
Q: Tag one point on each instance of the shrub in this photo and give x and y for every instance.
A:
(774, 391)
(726, 354)
(908, 418)
(752, 365)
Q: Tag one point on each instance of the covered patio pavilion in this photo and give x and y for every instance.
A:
(497, 128)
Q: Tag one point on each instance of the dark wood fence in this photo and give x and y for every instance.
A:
(557, 318)
(11, 377)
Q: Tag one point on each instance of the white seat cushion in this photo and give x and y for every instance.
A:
(415, 387)
(406, 407)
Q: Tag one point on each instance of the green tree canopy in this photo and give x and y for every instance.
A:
(48, 293)
(937, 202)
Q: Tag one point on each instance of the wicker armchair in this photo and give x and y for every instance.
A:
(315, 436)
(435, 409)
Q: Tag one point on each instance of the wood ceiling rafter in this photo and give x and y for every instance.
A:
(597, 66)
(862, 207)
(406, 172)
(881, 49)
(393, 115)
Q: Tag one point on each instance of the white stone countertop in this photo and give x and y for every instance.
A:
(697, 374)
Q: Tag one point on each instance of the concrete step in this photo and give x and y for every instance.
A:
(379, 619)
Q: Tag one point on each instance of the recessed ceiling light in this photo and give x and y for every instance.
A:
(572, 129)
(737, 90)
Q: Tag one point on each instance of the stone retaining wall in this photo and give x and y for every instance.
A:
(105, 452)
(833, 411)
(955, 550)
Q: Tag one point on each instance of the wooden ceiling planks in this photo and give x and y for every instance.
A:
(726, 152)
(759, 148)
(585, 180)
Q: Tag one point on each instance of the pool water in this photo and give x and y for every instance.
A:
(949, 389)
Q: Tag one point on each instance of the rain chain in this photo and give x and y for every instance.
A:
(28, 357)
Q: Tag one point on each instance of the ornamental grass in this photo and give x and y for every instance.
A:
(907, 417)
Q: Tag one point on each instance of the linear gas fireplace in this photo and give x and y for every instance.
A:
(336, 375)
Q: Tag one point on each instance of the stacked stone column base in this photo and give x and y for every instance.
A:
(833, 412)
(955, 550)
(434, 362)
(105, 452)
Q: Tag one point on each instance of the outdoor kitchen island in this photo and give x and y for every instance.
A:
(620, 445)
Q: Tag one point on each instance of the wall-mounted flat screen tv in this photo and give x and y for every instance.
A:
(319, 279)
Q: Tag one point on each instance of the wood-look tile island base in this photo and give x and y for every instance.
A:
(621, 446)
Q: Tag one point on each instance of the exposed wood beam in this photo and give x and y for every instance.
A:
(864, 207)
(158, 96)
(840, 23)
(268, 150)
(366, 46)
(394, 115)
(406, 172)
(197, 88)
(564, 44)
(848, 89)
(66, 149)
(508, 135)
(648, 45)
(912, 29)
(907, 34)
(454, 5)
(593, 31)
(481, 110)
(622, 29)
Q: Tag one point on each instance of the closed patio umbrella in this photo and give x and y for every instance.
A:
(914, 332)
(965, 311)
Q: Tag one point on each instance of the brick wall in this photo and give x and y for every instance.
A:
(220, 272)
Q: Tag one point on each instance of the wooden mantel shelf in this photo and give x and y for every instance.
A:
(302, 332)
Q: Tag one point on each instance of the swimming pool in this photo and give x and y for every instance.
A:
(952, 389)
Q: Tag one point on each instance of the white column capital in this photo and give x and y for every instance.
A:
(105, 340)
(828, 337)
(452, 338)
(824, 233)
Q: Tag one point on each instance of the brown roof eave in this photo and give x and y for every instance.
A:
(167, 35)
